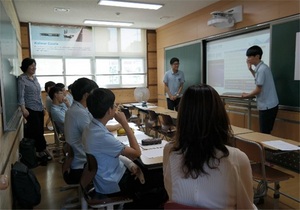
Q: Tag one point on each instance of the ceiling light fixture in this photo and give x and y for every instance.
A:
(107, 23)
(61, 9)
(136, 5)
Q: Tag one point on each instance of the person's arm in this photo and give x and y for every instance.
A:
(168, 92)
(21, 99)
(134, 150)
(254, 93)
(179, 90)
(112, 128)
(133, 168)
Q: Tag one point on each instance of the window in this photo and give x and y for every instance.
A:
(118, 60)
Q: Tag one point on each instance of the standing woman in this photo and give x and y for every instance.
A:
(30, 102)
(200, 169)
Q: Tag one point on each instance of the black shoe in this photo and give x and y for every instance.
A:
(47, 153)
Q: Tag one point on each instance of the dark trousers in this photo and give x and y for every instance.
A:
(34, 129)
(267, 119)
(173, 104)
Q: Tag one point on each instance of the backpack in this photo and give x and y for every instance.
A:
(25, 187)
(27, 151)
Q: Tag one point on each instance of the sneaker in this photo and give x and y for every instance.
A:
(50, 128)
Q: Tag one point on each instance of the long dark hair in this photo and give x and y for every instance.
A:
(202, 128)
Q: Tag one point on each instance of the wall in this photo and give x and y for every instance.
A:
(9, 141)
(194, 27)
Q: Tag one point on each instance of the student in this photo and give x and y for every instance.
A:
(200, 169)
(30, 102)
(265, 91)
(112, 176)
(48, 102)
(76, 118)
(68, 99)
(174, 80)
(58, 107)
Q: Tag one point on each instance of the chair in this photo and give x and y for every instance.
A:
(174, 205)
(168, 129)
(90, 197)
(58, 138)
(152, 123)
(261, 172)
(66, 167)
(130, 118)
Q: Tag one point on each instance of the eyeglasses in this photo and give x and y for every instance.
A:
(175, 64)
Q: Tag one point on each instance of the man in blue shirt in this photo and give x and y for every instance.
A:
(174, 80)
(265, 91)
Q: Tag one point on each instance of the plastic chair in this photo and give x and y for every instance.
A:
(174, 205)
(152, 123)
(168, 129)
(261, 172)
(66, 167)
(90, 197)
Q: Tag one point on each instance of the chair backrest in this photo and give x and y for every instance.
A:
(254, 151)
(69, 156)
(153, 117)
(88, 175)
(126, 112)
(166, 122)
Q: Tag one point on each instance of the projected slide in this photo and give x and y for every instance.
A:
(227, 70)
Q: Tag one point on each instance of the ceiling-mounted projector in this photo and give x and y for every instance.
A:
(227, 18)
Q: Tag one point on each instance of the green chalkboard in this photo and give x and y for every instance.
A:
(190, 62)
(283, 43)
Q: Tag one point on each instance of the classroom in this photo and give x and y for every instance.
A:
(188, 38)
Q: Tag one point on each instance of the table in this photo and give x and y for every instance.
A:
(238, 130)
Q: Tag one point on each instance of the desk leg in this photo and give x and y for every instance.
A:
(249, 114)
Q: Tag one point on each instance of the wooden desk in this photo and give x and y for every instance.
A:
(261, 137)
(238, 130)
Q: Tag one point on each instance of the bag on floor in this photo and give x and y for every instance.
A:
(25, 187)
(27, 151)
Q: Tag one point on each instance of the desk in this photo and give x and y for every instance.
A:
(238, 100)
(238, 130)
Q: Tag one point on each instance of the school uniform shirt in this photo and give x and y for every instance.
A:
(230, 186)
(58, 113)
(29, 93)
(76, 119)
(267, 98)
(174, 80)
(106, 148)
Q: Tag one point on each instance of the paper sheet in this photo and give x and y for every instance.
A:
(153, 153)
(281, 145)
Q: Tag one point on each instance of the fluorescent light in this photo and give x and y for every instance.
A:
(107, 23)
(136, 5)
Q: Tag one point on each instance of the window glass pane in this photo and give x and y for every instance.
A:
(78, 66)
(42, 80)
(106, 40)
(134, 80)
(130, 66)
(71, 79)
(107, 66)
(131, 40)
(105, 81)
(49, 66)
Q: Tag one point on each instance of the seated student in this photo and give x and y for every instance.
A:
(200, 169)
(48, 102)
(76, 119)
(68, 99)
(112, 176)
(58, 109)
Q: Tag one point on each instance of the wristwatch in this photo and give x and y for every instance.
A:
(177, 94)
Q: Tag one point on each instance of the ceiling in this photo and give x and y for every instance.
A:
(42, 11)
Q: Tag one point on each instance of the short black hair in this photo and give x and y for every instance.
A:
(53, 90)
(173, 60)
(61, 85)
(48, 85)
(254, 50)
(99, 101)
(81, 86)
(26, 63)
